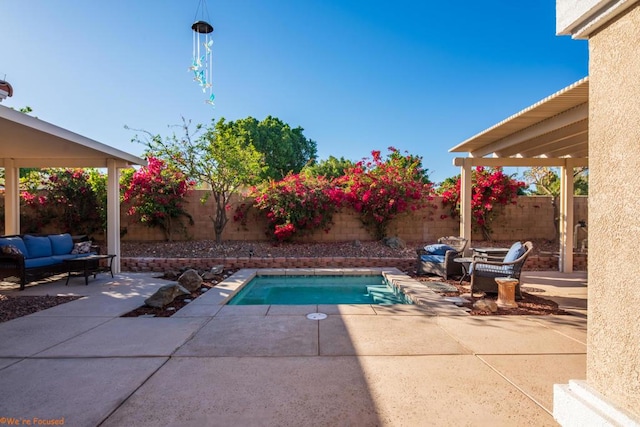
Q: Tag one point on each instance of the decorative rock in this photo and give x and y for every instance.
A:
(171, 275)
(204, 289)
(394, 242)
(190, 279)
(209, 276)
(486, 305)
(165, 295)
(171, 309)
(217, 269)
(187, 300)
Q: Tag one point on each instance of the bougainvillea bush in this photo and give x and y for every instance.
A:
(491, 189)
(380, 189)
(296, 204)
(155, 194)
(66, 198)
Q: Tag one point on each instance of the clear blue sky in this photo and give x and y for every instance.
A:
(357, 75)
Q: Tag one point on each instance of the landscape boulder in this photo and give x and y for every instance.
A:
(191, 280)
(486, 305)
(395, 242)
(212, 274)
(165, 295)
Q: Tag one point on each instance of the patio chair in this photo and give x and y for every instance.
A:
(484, 270)
(438, 258)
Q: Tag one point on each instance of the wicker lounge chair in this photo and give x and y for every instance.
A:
(484, 270)
(438, 259)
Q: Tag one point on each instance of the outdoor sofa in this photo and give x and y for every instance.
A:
(33, 257)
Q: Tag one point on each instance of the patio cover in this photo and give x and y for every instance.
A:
(28, 142)
(552, 132)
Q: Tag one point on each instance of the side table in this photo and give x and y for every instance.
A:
(506, 292)
(465, 263)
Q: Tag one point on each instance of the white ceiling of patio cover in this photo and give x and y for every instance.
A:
(555, 127)
(32, 142)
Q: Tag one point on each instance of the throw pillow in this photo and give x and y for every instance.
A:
(81, 248)
(438, 249)
(10, 250)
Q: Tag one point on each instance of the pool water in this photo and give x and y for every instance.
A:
(293, 290)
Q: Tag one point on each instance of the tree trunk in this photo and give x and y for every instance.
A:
(220, 220)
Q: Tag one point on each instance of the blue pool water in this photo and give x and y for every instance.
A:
(290, 290)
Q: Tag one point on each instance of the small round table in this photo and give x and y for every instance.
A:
(465, 263)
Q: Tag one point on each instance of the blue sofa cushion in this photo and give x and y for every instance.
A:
(38, 246)
(61, 244)
(515, 251)
(436, 259)
(438, 249)
(40, 262)
(16, 242)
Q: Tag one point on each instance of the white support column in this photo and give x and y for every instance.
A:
(566, 217)
(11, 198)
(113, 212)
(465, 200)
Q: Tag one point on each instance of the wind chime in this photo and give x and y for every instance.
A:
(202, 63)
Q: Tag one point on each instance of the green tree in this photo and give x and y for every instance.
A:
(547, 183)
(329, 168)
(284, 149)
(214, 156)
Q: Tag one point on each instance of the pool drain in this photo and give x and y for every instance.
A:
(316, 316)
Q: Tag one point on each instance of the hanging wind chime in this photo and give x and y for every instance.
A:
(202, 63)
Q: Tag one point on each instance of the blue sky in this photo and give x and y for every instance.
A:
(357, 75)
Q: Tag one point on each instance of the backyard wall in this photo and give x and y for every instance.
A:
(530, 218)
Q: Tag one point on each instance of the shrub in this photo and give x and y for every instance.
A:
(380, 189)
(491, 188)
(296, 204)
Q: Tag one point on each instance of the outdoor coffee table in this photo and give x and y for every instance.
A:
(85, 266)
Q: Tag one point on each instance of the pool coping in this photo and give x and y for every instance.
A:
(421, 296)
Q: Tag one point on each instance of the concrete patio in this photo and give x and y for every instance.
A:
(270, 365)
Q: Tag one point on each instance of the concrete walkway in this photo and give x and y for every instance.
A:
(212, 365)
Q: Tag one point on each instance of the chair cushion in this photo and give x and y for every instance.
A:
(40, 262)
(38, 246)
(436, 259)
(16, 242)
(515, 251)
(492, 270)
(438, 249)
(61, 244)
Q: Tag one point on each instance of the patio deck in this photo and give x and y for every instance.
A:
(261, 365)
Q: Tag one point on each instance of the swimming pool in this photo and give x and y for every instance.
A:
(318, 289)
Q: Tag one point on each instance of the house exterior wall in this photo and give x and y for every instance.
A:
(613, 357)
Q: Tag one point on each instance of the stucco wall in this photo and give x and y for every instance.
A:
(613, 359)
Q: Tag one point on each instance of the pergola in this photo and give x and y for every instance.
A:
(553, 133)
(28, 142)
